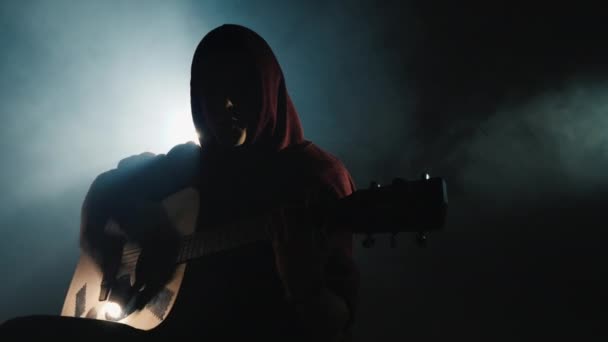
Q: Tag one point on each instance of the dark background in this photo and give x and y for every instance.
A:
(507, 101)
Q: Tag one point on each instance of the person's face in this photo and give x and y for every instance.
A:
(231, 101)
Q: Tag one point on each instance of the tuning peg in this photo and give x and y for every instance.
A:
(425, 176)
(421, 238)
(369, 241)
(393, 240)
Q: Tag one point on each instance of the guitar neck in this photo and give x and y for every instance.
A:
(213, 240)
(208, 242)
(410, 206)
(404, 206)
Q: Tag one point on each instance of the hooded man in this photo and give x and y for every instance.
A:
(253, 158)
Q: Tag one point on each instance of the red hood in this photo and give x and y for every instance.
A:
(277, 125)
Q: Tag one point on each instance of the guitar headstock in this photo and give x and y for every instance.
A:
(417, 206)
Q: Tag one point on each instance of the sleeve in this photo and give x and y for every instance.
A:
(145, 176)
(106, 194)
(342, 273)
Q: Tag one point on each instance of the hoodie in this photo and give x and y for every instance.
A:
(276, 167)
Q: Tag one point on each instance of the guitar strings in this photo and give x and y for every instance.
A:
(132, 254)
(185, 240)
(193, 244)
(188, 250)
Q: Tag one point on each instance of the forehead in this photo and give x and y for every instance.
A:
(223, 61)
(228, 72)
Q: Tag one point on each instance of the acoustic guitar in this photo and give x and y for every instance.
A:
(418, 206)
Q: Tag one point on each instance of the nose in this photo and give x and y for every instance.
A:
(228, 105)
(231, 109)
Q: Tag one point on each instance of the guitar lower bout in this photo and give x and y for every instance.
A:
(83, 298)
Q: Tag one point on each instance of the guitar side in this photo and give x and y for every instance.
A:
(82, 297)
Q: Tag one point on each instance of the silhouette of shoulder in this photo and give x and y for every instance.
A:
(323, 167)
(148, 174)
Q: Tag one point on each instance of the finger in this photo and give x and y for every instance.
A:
(149, 266)
(147, 294)
(155, 268)
(140, 271)
(152, 287)
(111, 257)
(144, 285)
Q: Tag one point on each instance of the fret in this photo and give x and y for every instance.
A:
(193, 245)
(202, 246)
(186, 248)
(183, 253)
(180, 254)
(190, 249)
(209, 238)
(222, 238)
(211, 242)
(199, 249)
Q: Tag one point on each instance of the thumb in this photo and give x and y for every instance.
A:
(140, 272)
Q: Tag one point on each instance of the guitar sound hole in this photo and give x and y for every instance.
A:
(118, 306)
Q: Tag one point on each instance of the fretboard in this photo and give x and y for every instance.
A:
(212, 240)
(221, 238)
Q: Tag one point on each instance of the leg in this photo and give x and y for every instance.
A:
(48, 326)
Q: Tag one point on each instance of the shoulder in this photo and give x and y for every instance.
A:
(322, 166)
(311, 154)
(140, 169)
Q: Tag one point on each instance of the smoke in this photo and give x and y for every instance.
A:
(553, 144)
(86, 84)
(89, 84)
(509, 99)
(504, 107)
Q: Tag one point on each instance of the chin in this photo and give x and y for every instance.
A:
(232, 139)
(240, 138)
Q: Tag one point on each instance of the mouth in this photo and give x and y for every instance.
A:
(236, 133)
(232, 133)
(236, 123)
(238, 136)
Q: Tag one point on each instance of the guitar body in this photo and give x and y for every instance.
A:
(237, 272)
(83, 295)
